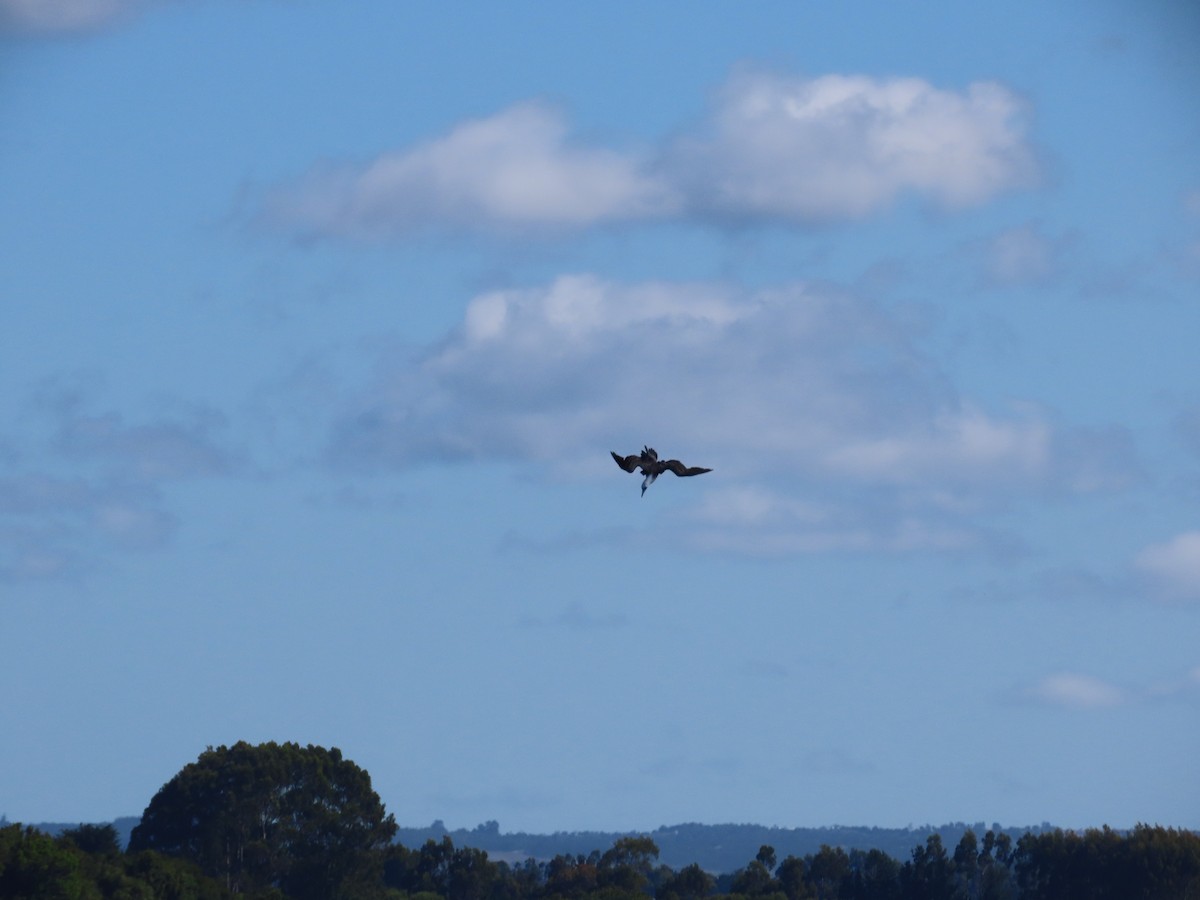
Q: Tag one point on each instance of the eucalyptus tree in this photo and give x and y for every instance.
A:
(303, 820)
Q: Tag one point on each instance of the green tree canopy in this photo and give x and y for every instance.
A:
(689, 883)
(627, 864)
(101, 840)
(300, 819)
(34, 865)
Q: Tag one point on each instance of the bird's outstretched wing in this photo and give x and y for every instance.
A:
(628, 463)
(674, 465)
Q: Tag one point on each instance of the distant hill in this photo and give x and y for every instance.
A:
(717, 848)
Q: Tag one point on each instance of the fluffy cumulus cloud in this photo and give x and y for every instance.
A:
(62, 16)
(828, 392)
(839, 147)
(773, 148)
(517, 169)
(1174, 565)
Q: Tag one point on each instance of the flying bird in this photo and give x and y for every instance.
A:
(652, 466)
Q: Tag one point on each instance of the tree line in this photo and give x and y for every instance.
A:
(281, 821)
(717, 848)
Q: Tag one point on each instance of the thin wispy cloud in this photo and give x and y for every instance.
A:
(851, 528)
(1023, 255)
(157, 451)
(52, 526)
(1185, 687)
(49, 17)
(773, 149)
(173, 441)
(1188, 256)
(1186, 425)
(1079, 691)
(1174, 565)
(114, 495)
(576, 617)
(1072, 690)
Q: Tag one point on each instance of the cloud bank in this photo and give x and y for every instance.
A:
(800, 151)
(817, 393)
(828, 383)
(844, 146)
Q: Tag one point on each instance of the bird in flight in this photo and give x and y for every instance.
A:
(652, 466)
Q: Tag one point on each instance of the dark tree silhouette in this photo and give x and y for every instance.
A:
(300, 819)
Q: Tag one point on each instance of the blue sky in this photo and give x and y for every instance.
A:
(318, 323)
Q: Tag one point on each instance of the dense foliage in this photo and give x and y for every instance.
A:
(302, 820)
(715, 847)
(1150, 863)
(87, 864)
(279, 821)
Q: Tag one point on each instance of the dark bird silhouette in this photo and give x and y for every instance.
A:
(652, 466)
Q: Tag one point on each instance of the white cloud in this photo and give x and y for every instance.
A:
(516, 169)
(773, 149)
(753, 521)
(1072, 690)
(822, 383)
(1174, 565)
(866, 444)
(752, 505)
(955, 440)
(50, 16)
(845, 146)
(1075, 691)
